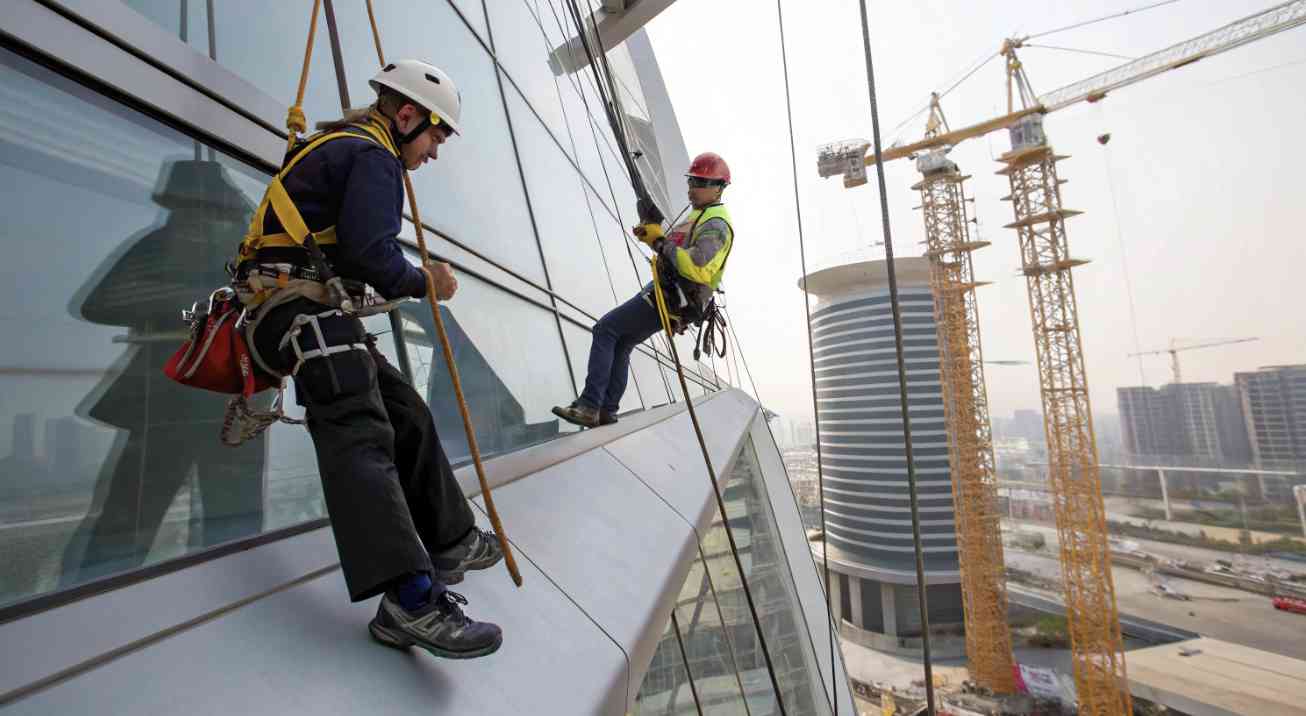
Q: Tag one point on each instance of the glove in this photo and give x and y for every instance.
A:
(648, 233)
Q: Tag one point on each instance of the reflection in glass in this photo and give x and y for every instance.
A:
(577, 268)
(267, 53)
(509, 361)
(472, 193)
(115, 223)
(703, 633)
(774, 594)
(666, 688)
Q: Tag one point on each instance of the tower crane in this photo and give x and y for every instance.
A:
(834, 158)
(1174, 350)
(966, 414)
(1073, 470)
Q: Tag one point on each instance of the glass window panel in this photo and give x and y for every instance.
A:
(577, 267)
(106, 464)
(627, 265)
(471, 9)
(268, 53)
(707, 645)
(523, 50)
(473, 192)
(666, 688)
(774, 594)
(510, 363)
(645, 370)
(578, 347)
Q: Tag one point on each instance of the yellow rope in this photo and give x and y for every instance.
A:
(508, 558)
(295, 120)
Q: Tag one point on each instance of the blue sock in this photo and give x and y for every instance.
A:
(414, 591)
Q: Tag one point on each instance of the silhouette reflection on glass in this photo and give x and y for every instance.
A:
(167, 432)
(497, 415)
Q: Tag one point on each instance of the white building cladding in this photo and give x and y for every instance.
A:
(135, 139)
(863, 460)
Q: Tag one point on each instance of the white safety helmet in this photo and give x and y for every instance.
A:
(426, 85)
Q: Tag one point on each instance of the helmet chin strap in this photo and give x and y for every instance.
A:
(415, 132)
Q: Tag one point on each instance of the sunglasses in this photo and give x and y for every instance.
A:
(700, 183)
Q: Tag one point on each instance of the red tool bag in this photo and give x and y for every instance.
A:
(216, 357)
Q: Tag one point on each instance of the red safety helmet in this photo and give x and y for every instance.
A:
(709, 166)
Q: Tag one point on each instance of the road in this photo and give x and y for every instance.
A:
(1228, 614)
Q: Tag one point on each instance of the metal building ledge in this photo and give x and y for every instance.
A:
(605, 524)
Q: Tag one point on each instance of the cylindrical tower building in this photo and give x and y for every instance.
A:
(863, 460)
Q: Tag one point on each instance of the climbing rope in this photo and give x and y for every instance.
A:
(297, 123)
(665, 318)
(509, 560)
(811, 363)
(295, 120)
(921, 600)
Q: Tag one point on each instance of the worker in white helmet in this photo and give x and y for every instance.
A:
(401, 523)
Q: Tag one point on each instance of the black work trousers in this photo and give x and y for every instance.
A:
(390, 492)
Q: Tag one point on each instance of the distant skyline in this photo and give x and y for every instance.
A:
(1199, 184)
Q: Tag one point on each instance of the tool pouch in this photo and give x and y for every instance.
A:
(216, 357)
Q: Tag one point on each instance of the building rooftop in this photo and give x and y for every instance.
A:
(1209, 676)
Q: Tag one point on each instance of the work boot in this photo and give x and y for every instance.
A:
(478, 550)
(606, 418)
(578, 414)
(440, 627)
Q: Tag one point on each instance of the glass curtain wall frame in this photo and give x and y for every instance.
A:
(230, 198)
(716, 643)
(110, 467)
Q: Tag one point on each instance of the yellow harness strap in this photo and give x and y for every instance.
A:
(276, 197)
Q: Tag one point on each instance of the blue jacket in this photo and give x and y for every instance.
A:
(357, 186)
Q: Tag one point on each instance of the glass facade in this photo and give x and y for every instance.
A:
(106, 466)
(714, 626)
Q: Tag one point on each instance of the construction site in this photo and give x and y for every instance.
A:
(914, 501)
(1083, 575)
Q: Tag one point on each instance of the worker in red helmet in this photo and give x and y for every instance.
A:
(696, 249)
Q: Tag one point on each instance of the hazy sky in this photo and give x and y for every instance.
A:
(1205, 165)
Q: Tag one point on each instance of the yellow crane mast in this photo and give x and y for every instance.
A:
(1031, 169)
(965, 400)
(1097, 649)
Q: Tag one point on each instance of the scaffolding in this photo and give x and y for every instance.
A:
(1093, 620)
(970, 447)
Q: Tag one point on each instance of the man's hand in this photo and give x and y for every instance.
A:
(648, 233)
(441, 273)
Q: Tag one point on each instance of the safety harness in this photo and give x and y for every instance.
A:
(295, 232)
(263, 285)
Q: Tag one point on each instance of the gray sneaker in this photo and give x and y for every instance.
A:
(440, 628)
(578, 414)
(478, 550)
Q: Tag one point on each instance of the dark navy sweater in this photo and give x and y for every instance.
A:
(357, 186)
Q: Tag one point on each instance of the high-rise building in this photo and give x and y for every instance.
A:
(867, 508)
(1274, 405)
(1201, 423)
(1184, 424)
(136, 143)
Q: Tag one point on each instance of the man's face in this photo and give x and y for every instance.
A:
(702, 193)
(427, 144)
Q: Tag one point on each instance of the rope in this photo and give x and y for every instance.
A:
(1124, 259)
(1082, 52)
(1101, 19)
(618, 130)
(811, 364)
(470, 432)
(295, 120)
(902, 371)
(665, 318)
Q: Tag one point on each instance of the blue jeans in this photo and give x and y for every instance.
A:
(615, 336)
